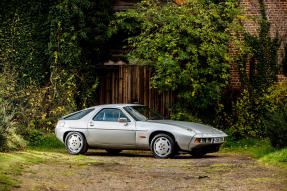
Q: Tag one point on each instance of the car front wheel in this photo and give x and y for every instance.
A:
(162, 146)
(76, 143)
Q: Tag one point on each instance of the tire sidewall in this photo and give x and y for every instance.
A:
(84, 145)
(171, 142)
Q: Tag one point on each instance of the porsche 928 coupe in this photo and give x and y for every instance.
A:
(118, 127)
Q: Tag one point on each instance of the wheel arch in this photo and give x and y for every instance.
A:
(153, 134)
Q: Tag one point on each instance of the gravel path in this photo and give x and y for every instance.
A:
(138, 170)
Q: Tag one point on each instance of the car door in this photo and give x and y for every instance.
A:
(104, 129)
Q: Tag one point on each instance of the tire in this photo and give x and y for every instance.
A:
(76, 143)
(162, 146)
(113, 151)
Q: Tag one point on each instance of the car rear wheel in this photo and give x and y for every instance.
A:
(76, 143)
(113, 151)
(162, 146)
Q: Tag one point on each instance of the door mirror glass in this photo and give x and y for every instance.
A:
(123, 120)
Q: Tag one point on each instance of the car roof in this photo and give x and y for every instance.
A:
(115, 105)
(104, 106)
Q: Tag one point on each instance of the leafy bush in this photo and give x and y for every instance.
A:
(276, 127)
(183, 115)
(14, 140)
(4, 124)
(39, 139)
(247, 116)
(48, 56)
(186, 47)
(252, 112)
(275, 120)
(9, 139)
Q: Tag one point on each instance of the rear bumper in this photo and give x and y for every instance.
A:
(59, 131)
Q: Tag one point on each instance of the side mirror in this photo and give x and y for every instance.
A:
(123, 120)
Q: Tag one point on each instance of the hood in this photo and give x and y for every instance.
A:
(196, 127)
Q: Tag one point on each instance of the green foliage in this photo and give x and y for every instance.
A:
(276, 157)
(183, 115)
(9, 139)
(258, 71)
(49, 53)
(185, 46)
(276, 126)
(247, 116)
(262, 58)
(252, 112)
(4, 125)
(39, 139)
(257, 148)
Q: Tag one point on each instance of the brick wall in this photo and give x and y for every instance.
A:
(276, 11)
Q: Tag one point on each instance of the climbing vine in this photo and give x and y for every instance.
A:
(52, 48)
(263, 56)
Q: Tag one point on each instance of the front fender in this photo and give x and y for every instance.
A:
(144, 131)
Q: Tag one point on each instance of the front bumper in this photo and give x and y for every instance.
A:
(212, 144)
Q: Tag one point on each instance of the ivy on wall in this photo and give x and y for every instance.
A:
(262, 58)
(49, 52)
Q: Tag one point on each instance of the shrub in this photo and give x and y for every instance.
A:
(276, 127)
(9, 139)
(184, 115)
(186, 47)
(14, 140)
(253, 112)
(247, 116)
(5, 123)
(275, 120)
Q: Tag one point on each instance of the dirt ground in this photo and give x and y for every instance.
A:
(138, 170)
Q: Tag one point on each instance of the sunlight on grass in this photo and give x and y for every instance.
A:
(276, 157)
(48, 142)
(12, 164)
(259, 149)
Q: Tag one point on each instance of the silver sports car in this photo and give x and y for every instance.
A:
(133, 126)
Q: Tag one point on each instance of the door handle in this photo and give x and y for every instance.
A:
(91, 124)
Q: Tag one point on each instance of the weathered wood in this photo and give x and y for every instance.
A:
(130, 84)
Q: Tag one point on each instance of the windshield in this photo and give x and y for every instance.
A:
(143, 113)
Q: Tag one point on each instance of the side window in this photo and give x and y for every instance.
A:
(110, 115)
(78, 115)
